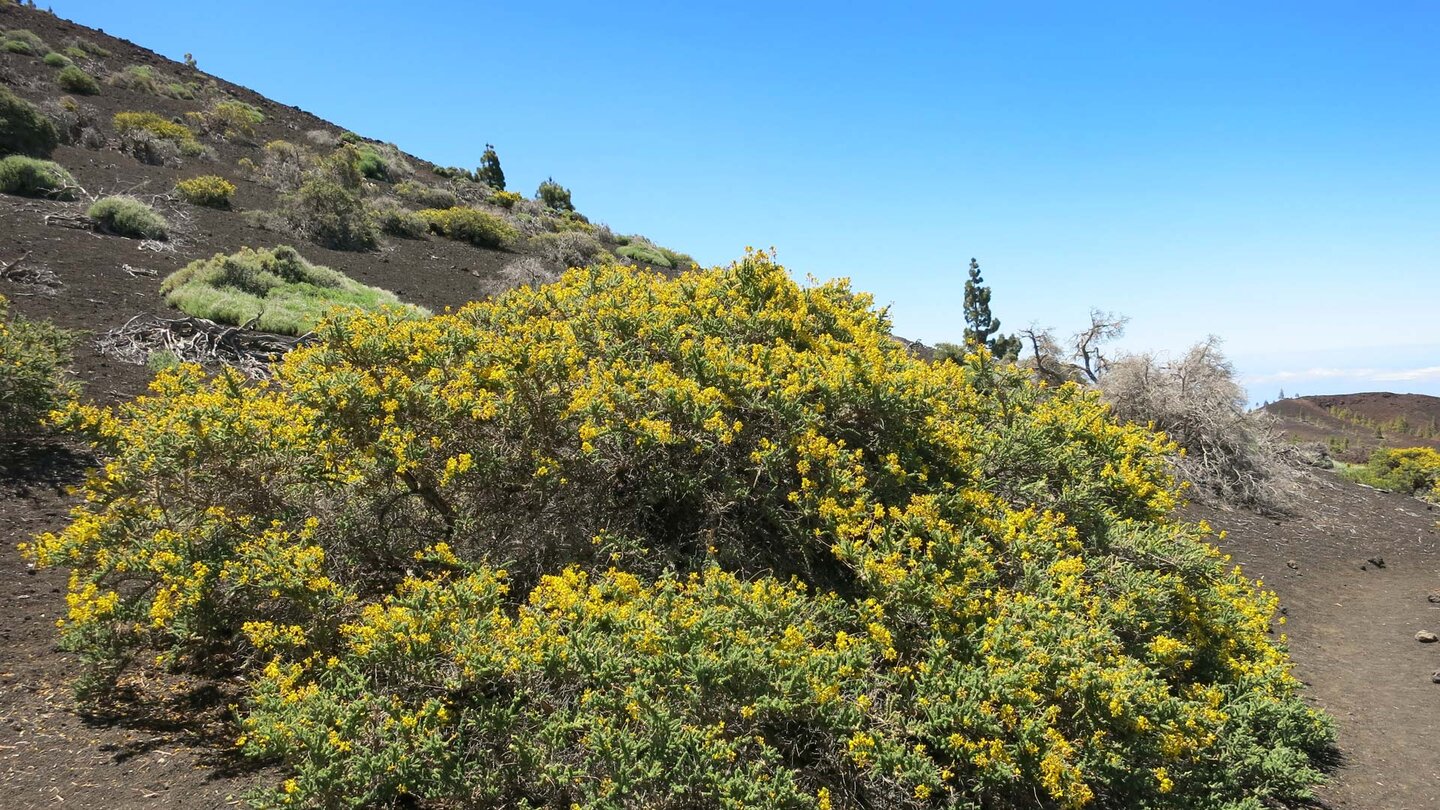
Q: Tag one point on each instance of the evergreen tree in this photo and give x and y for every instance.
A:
(490, 172)
(980, 325)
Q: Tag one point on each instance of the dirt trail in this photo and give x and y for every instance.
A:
(1352, 626)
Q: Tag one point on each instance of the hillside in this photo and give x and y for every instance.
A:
(1352, 425)
(59, 268)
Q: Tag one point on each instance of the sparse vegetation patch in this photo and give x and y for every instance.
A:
(127, 216)
(32, 177)
(275, 290)
(34, 359)
(24, 129)
(74, 80)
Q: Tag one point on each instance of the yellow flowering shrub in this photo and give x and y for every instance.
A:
(208, 190)
(1411, 470)
(710, 541)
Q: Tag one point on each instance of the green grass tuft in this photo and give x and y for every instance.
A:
(32, 177)
(127, 216)
(278, 289)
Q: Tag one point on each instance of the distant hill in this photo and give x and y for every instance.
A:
(1353, 425)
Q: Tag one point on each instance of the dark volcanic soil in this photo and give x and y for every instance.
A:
(1352, 625)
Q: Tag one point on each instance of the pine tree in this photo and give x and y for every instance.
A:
(490, 172)
(980, 325)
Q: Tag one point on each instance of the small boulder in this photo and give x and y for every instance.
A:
(1436, 677)
(1434, 597)
(1426, 637)
(1378, 562)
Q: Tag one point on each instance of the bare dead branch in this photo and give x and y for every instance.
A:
(197, 340)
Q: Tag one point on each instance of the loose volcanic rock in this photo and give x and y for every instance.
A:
(1426, 637)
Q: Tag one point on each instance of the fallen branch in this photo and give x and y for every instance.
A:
(197, 340)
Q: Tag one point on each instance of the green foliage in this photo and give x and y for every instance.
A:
(554, 195)
(455, 173)
(424, 196)
(85, 48)
(706, 541)
(470, 225)
(980, 326)
(23, 129)
(329, 214)
(1409, 470)
(155, 124)
(56, 59)
(127, 216)
(490, 172)
(370, 164)
(24, 42)
(146, 79)
(231, 120)
(75, 80)
(644, 252)
(397, 220)
(208, 190)
(31, 177)
(34, 361)
(277, 290)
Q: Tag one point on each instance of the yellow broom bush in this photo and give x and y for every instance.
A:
(710, 541)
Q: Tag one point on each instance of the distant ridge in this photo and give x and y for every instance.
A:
(1353, 425)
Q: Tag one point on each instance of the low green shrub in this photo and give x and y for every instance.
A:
(329, 214)
(455, 173)
(231, 120)
(370, 164)
(127, 216)
(85, 48)
(285, 165)
(278, 289)
(423, 196)
(396, 220)
(160, 127)
(470, 225)
(56, 59)
(24, 42)
(1409, 470)
(565, 249)
(24, 129)
(208, 190)
(146, 79)
(34, 364)
(645, 255)
(554, 195)
(32, 177)
(697, 542)
(73, 79)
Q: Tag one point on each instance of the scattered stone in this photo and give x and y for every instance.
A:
(1434, 597)
(1292, 564)
(1436, 677)
(1426, 637)
(1378, 562)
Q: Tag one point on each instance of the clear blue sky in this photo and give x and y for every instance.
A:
(1268, 172)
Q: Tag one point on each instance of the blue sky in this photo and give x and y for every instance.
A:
(1265, 172)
